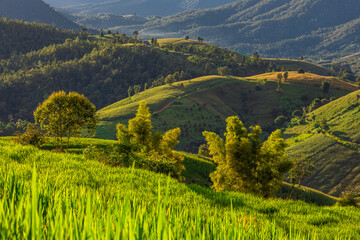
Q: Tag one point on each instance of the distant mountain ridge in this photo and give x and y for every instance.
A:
(274, 28)
(34, 10)
(142, 8)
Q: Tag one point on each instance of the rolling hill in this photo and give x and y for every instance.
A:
(334, 150)
(204, 103)
(274, 28)
(104, 69)
(34, 11)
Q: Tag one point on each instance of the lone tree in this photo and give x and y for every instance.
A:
(302, 168)
(325, 87)
(66, 115)
(286, 76)
(245, 163)
(135, 34)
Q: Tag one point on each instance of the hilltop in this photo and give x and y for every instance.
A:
(276, 28)
(34, 11)
(204, 103)
(334, 149)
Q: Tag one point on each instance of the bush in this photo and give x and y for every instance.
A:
(204, 150)
(32, 136)
(296, 113)
(324, 101)
(301, 71)
(347, 200)
(280, 121)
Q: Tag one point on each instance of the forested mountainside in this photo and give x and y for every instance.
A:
(34, 10)
(142, 8)
(106, 20)
(103, 68)
(274, 28)
(21, 37)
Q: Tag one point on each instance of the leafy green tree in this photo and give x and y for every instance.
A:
(66, 115)
(325, 87)
(323, 125)
(245, 163)
(301, 71)
(140, 126)
(135, 34)
(139, 137)
(223, 71)
(32, 136)
(280, 121)
(130, 89)
(204, 150)
(187, 37)
(285, 76)
(101, 32)
(279, 77)
(302, 167)
(170, 79)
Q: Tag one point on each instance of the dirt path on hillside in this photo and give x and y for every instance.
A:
(166, 106)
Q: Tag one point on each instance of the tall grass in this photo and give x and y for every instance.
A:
(50, 212)
(67, 197)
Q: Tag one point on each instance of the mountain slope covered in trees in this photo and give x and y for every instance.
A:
(142, 8)
(34, 10)
(104, 68)
(274, 28)
(329, 136)
(22, 37)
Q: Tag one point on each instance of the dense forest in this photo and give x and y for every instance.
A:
(22, 37)
(104, 70)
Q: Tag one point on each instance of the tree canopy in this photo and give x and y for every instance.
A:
(245, 163)
(138, 136)
(66, 115)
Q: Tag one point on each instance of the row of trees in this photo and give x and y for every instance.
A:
(244, 162)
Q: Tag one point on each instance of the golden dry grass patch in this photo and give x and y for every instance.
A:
(308, 79)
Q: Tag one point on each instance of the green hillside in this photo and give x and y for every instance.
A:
(335, 151)
(69, 195)
(204, 103)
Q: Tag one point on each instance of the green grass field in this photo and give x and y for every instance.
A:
(69, 197)
(204, 103)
